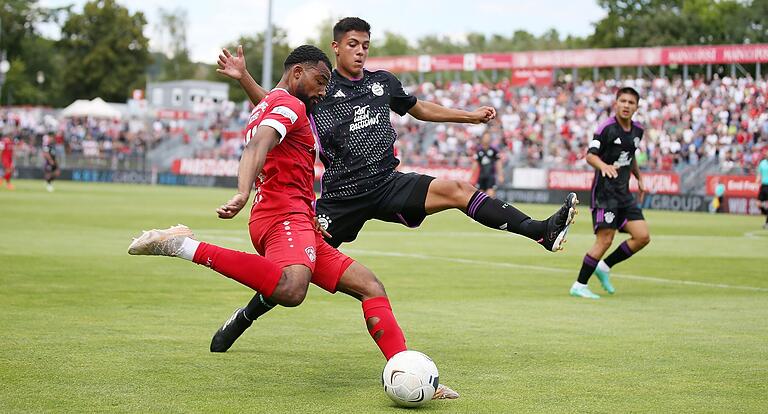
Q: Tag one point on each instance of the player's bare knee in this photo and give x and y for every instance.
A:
(294, 295)
(464, 193)
(372, 287)
(643, 239)
(292, 288)
(604, 241)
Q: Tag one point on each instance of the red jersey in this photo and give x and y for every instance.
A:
(285, 184)
(7, 145)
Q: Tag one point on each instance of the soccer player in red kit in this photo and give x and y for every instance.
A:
(279, 158)
(7, 159)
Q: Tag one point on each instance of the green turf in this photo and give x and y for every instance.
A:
(86, 328)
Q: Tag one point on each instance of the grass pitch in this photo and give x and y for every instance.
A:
(86, 328)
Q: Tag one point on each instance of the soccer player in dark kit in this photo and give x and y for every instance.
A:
(612, 154)
(360, 183)
(487, 166)
(279, 159)
(51, 169)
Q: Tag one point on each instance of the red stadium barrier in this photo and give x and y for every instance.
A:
(655, 183)
(648, 56)
(735, 185)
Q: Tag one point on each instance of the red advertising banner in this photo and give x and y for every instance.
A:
(447, 62)
(217, 167)
(648, 56)
(735, 185)
(537, 77)
(655, 183)
(487, 61)
(394, 64)
(173, 114)
(570, 180)
(444, 173)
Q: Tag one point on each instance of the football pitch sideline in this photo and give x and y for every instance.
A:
(84, 327)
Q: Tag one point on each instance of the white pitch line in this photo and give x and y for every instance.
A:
(549, 269)
(507, 265)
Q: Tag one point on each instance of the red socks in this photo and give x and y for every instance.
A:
(251, 270)
(386, 333)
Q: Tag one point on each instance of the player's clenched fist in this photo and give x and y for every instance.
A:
(233, 206)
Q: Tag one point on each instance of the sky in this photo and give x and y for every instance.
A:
(212, 24)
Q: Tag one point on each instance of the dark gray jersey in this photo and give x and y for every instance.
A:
(615, 146)
(355, 135)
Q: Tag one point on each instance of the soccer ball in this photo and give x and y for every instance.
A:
(410, 378)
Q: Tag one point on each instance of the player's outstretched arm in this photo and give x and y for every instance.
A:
(234, 67)
(430, 111)
(251, 163)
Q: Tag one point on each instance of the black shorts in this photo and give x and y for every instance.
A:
(399, 200)
(615, 218)
(486, 182)
(763, 194)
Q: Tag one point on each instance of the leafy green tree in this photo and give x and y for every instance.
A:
(172, 28)
(29, 54)
(636, 23)
(105, 51)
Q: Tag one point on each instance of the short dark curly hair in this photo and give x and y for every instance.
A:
(628, 91)
(349, 24)
(306, 54)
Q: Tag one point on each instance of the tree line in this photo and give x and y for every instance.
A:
(104, 50)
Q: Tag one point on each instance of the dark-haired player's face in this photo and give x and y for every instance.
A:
(311, 83)
(626, 106)
(352, 51)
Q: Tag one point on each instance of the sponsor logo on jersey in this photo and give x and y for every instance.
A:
(339, 94)
(623, 160)
(286, 112)
(310, 251)
(258, 110)
(377, 89)
(363, 118)
(617, 141)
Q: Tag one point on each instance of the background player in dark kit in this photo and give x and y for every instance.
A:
(612, 154)
(487, 166)
(51, 169)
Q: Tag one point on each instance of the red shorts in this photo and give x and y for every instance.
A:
(7, 164)
(292, 240)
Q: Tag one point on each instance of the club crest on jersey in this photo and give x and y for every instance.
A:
(339, 94)
(609, 216)
(324, 221)
(377, 89)
(310, 251)
(617, 141)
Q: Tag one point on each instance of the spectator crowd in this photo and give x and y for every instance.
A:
(723, 120)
